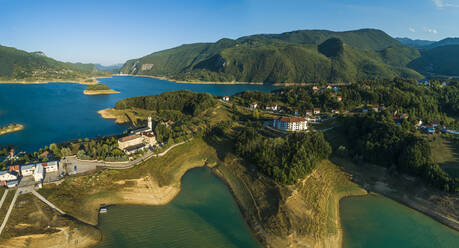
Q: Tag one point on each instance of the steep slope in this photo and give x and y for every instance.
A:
(18, 65)
(296, 57)
(439, 61)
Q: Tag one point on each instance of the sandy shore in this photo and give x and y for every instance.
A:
(78, 81)
(112, 114)
(230, 83)
(193, 81)
(16, 128)
(100, 92)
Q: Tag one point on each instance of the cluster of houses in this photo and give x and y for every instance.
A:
(429, 128)
(139, 139)
(429, 84)
(10, 178)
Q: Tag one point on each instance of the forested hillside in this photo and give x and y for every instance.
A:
(18, 65)
(441, 61)
(295, 57)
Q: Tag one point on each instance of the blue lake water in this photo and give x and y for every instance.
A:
(58, 112)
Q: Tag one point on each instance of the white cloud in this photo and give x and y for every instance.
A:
(430, 30)
(412, 30)
(446, 3)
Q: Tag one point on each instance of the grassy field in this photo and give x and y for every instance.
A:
(6, 204)
(37, 225)
(445, 152)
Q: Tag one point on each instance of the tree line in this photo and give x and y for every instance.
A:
(283, 159)
(381, 142)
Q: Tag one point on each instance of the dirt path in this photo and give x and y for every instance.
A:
(3, 198)
(9, 212)
(43, 199)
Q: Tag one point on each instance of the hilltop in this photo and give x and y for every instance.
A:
(21, 66)
(303, 56)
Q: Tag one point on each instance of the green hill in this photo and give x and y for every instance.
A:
(18, 65)
(295, 57)
(438, 61)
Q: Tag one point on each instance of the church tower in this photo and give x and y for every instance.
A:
(150, 123)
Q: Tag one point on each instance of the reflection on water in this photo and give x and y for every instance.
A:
(376, 221)
(203, 215)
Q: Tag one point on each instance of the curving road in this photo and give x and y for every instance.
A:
(76, 166)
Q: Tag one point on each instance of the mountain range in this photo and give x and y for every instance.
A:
(18, 65)
(303, 56)
(438, 58)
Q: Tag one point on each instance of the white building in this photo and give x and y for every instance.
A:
(12, 184)
(273, 107)
(226, 98)
(253, 106)
(290, 124)
(317, 111)
(51, 166)
(130, 140)
(38, 174)
(150, 123)
(7, 176)
(27, 170)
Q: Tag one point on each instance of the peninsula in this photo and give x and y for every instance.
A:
(11, 128)
(99, 89)
(286, 162)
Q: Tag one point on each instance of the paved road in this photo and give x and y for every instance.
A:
(3, 198)
(85, 165)
(7, 216)
(43, 199)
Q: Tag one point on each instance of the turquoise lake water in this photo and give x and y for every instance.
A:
(378, 222)
(204, 214)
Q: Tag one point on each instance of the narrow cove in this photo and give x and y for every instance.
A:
(204, 214)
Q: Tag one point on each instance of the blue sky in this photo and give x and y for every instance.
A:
(108, 32)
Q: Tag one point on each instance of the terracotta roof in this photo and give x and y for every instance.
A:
(288, 119)
(130, 137)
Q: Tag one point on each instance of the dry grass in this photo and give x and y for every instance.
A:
(302, 215)
(445, 152)
(32, 223)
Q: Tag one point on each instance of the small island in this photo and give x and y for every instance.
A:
(99, 89)
(11, 128)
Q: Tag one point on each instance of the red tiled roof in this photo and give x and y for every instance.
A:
(148, 134)
(288, 119)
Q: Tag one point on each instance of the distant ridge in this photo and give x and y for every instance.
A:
(18, 65)
(291, 57)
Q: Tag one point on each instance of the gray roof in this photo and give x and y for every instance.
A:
(12, 182)
(27, 167)
(134, 147)
(141, 130)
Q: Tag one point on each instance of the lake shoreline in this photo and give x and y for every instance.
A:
(15, 128)
(100, 92)
(228, 83)
(424, 203)
(77, 81)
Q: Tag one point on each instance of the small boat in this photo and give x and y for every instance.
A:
(103, 210)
